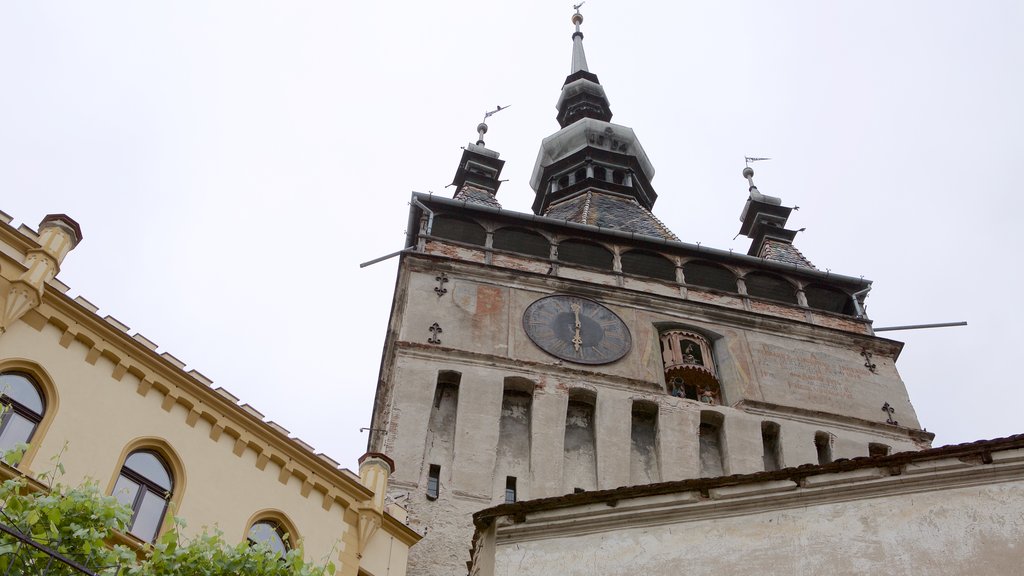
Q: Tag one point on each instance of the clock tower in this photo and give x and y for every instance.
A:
(584, 347)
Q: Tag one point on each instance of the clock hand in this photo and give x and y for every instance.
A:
(577, 340)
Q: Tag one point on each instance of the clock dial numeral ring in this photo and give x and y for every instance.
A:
(576, 329)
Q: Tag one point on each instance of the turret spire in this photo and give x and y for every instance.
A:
(477, 178)
(764, 222)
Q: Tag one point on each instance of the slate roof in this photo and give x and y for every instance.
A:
(784, 252)
(474, 195)
(608, 211)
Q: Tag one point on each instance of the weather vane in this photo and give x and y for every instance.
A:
(576, 7)
(481, 128)
(750, 159)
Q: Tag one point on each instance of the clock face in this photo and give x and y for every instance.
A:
(576, 329)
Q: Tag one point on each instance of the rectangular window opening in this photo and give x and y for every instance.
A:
(876, 449)
(510, 489)
(823, 444)
(772, 451)
(433, 481)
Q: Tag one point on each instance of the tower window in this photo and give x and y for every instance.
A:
(761, 285)
(521, 241)
(709, 275)
(823, 444)
(828, 299)
(459, 230)
(510, 489)
(433, 482)
(644, 263)
(585, 254)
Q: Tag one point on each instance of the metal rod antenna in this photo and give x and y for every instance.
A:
(920, 326)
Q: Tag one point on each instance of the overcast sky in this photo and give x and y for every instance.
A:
(231, 164)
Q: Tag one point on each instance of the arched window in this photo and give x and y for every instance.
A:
(828, 299)
(145, 485)
(644, 263)
(585, 254)
(709, 275)
(459, 230)
(761, 285)
(23, 409)
(269, 534)
(522, 241)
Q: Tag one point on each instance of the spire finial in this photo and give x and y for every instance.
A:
(748, 172)
(481, 128)
(577, 18)
(579, 58)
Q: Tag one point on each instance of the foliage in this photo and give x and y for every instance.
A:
(80, 523)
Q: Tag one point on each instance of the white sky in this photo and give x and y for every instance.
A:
(232, 162)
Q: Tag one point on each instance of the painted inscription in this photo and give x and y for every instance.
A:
(802, 371)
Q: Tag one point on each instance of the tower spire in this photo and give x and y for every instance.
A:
(592, 171)
(582, 93)
(579, 57)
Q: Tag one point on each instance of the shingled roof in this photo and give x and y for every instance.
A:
(608, 211)
(784, 252)
(474, 195)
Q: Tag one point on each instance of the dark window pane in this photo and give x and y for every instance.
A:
(828, 299)
(771, 287)
(584, 253)
(522, 241)
(459, 230)
(151, 467)
(22, 390)
(147, 520)
(510, 489)
(648, 264)
(709, 276)
(125, 491)
(268, 534)
(433, 481)
(16, 430)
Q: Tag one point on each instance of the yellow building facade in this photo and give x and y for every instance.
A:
(163, 439)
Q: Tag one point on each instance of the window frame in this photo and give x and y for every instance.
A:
(49, 397)
(171, 462)
(290, 535)
(146, 486)
(13, 406)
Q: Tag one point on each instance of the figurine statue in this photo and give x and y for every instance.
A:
(706, 395)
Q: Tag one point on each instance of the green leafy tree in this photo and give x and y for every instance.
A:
(80, 523)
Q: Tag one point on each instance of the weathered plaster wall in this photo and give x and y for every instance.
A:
(967, 529)
(771, 369)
